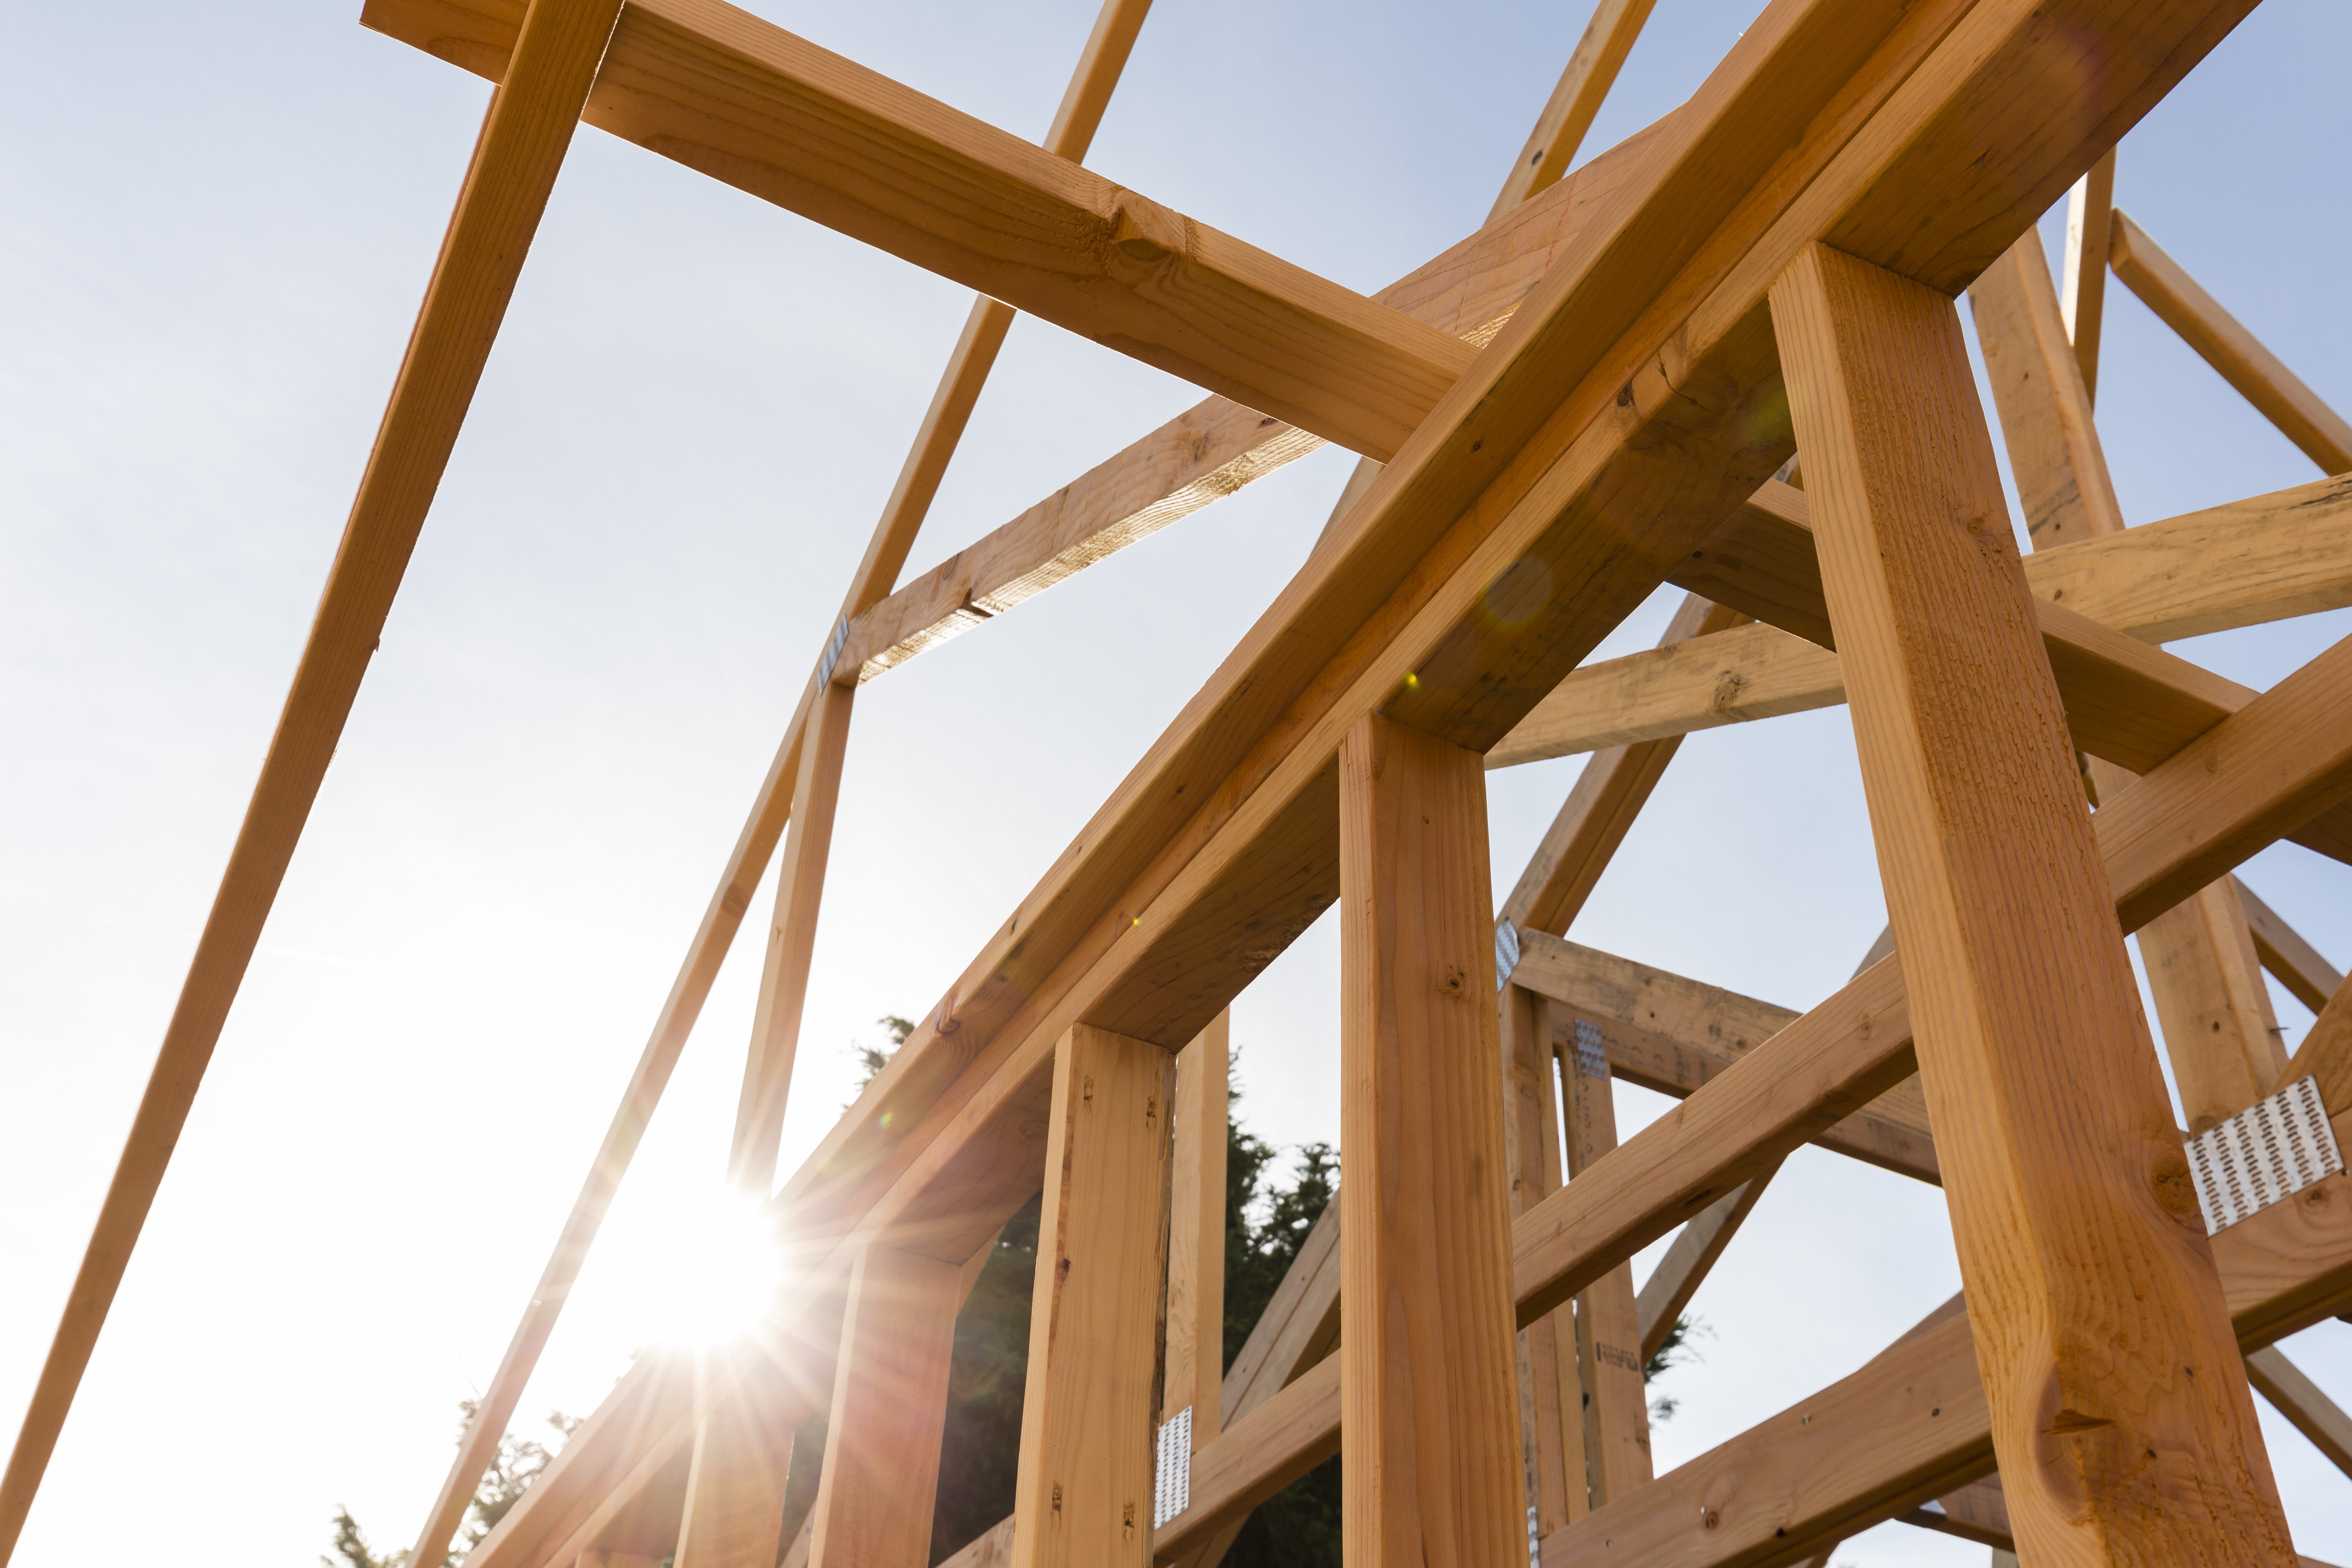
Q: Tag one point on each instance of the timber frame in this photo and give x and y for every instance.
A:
(1724, 355)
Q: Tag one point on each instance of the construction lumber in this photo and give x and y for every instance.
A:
(1667, 1292)
(1216, 446)
(1575, 98)
(2202, 970)
(1551, 1398)
(2297, 966)
(774, 115)
(1084, 1492)
(1673, 1034)
(1616, 1403)
(792, 942)
(1600, 810)
(2083, 293)
(734, 1513)
(1913, 1425)
(2325, 1053)
(1427, 1374)
(1976, 1512)
(2164, 287)
(1193, 1371)
(881, 1468)
(2300, 1400)
(1218, 848)
(525, 134)
(1994, 890)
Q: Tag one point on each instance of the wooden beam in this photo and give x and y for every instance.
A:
(632, 1451)
(1674, 1035)
(734, 1511)
(2325, 1053)
(1552, 1439)
(1195, 1367)
(1205, 862)
(1994, 889)
(525, 135)
(2300, 1400)
(1426, 1363)
(1616, 1403)
(1083, 1494)
(2165, 288)
(2297, 964)
(791, 945)
(1976, 1512)
(1218, 445)
(881, 1464)
(2083, 299)
(783, 119)
(1600, 810)
(1576, 98)
(1667, 1292)
(2202, 972)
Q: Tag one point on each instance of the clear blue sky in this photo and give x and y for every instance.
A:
(221, 218)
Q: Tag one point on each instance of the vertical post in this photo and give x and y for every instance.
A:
(1560, 1493)
(1428, 1395)
(889, 1407)
(2090, 206)
(2120, 1412)
(1608, 1315)
(2218, 1028)
(1083, 1497)
(791, 939)
(734, 1514)
(1193, 1376)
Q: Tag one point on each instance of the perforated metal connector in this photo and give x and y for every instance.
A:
(2264, 1154)
(1591, 1059)
(1506, 953)
(1171, 1488)
(833, 646)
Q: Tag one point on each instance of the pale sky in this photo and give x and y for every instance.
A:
(222, 219)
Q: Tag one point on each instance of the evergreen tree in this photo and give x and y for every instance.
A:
(519, 1463)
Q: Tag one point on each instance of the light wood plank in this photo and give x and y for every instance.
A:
(881, 1468)
(734, 1515)
(2212, 1004)
(1995, 893)
(525, 135)
(1083, 1495)
(1667, 1292)
(2083, 295)
(1193, 1374)
(1426, 1363)
(2325, 1053)
(2298, 966)
(790, 947)
(1553, 1437)
(2301, 1400)
(791, 123)
(1608, 1322)
(1575, 98)
(2166, 287)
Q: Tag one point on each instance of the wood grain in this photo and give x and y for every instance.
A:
(1427, 1378)
(1552, 1427)
(881, 1466)
(2082, 297)
(1608, 1323)
(1194, 1369)
(2058, 1160)
(2166, 287)
(1084, 1493)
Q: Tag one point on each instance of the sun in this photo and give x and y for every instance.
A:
(723, 1272)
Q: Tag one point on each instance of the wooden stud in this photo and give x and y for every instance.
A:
(1670, 1287)
(2325, 1053)
(2083, 302)
(1194, 1368)
(1616, 1403)
(2297, 964)
(890, 1406)
(2058, 1158)
(526, 134)
(791, 944)
(1427, 1382)
(1575, 99)
(2164, 287)
(1085, 1488)
(2202, 970)
(2299, 1399)
(734, 1514)
(1553, 1435)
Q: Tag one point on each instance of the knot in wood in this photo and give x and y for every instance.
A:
(1143, 230)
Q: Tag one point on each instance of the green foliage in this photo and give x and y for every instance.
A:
(872, 1059)
(519, 1463)
(1673, 1351)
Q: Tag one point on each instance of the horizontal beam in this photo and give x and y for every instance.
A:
(1218, 445)
(2224, 342)
(774, 115)
(1673, 1035)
